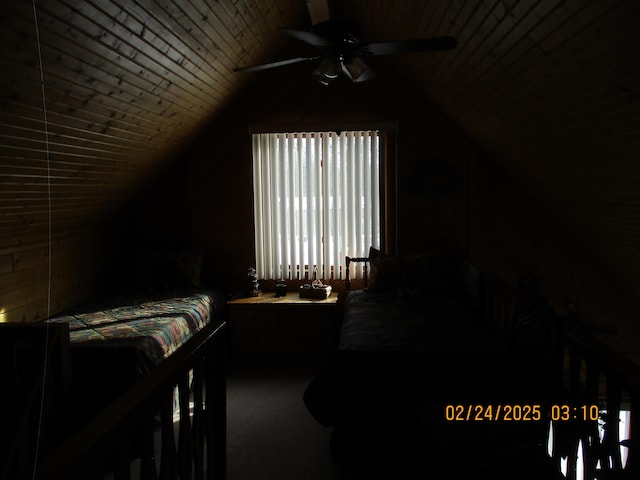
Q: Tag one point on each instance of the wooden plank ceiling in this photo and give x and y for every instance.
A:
(549, 88)
(126, 84)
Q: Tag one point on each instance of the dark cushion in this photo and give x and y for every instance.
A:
(386, 271)
(417, 276)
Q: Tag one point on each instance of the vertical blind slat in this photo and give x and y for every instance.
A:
(375, 188)
(280, 226)
(343, 224)
(319, 202)
(357, 204)
(328, 173)
(258, 196)
(270, 249)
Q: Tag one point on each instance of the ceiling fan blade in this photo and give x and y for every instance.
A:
(255, 68)
(409, 46)
(307, 37)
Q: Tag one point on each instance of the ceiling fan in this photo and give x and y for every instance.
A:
(340, 50)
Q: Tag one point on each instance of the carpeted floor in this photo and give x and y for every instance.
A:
(270, 434)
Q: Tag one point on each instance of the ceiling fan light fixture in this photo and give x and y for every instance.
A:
(328, 70)
(356, 69)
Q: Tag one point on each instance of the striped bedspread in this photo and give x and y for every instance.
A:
(155, 328)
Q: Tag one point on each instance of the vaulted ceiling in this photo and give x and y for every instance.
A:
(550, 89)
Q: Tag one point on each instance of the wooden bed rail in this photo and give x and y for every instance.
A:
(594, 374)
(124, 435)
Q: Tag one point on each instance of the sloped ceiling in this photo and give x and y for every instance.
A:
(548, 88)
(126, 84)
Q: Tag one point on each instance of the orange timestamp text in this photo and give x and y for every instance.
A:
(495, 413)
(519, 413)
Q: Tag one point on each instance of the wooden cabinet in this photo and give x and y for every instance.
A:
(281, 325)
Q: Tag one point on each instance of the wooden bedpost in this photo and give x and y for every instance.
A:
(35, 383)
(348, 260)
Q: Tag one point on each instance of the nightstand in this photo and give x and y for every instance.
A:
(281, 325)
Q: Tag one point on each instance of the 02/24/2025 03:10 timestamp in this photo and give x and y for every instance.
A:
(520, 413)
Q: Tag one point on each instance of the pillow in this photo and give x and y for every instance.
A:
(417, 276)
(386, 271)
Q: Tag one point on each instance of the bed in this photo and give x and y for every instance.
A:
(429, 325)
(114, 343)
(154, 327)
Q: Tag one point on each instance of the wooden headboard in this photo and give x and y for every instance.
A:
(348, 260)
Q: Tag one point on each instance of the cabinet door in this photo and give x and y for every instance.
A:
(306, 330)
(281, 329)
(251, 329)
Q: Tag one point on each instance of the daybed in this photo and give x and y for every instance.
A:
(426, 326)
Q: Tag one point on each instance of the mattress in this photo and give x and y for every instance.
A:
(384, 323)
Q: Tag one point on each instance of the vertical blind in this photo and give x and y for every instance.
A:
(316, 200)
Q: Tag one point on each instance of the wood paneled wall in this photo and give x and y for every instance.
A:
(43, 274)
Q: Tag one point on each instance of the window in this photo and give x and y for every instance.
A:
(316, 200)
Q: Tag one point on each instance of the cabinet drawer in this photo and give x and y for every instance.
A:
(307, 321)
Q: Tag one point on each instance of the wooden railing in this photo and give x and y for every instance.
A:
(595, 375)
(136, 435)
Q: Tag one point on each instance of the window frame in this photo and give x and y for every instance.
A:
(387, 171)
